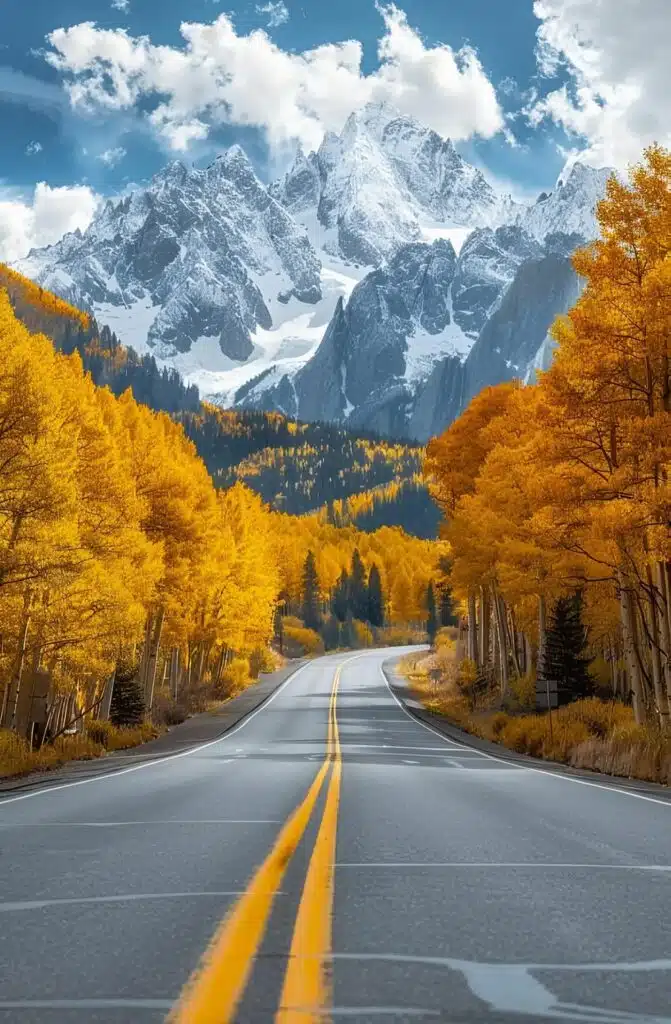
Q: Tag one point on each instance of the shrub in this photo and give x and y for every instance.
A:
(363, 634)
(261, 660)
(303, 640)
(234, 678)
(446, 637)
(398, 636)
(167, 711)
(111, 737)
(523, 690)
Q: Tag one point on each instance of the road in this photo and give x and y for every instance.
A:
(409, 877)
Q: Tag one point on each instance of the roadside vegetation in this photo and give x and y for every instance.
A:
(557, 506)
(591, 732)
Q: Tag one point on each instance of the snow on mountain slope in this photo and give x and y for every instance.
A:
(571, 207)
(196, 254)
(386, 180)
(366, 284)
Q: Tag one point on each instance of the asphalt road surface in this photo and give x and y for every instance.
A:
(333, 859)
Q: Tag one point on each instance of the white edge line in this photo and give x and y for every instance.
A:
(160, 760)
(184, 753)
(525, 767)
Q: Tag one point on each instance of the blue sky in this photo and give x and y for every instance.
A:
(517, 84)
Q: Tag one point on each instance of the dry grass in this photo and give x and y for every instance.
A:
(16, 757)
(590, 733)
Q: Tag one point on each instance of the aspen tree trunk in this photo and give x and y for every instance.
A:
(14, 688)
(485, 618)
(106, 703)
(502, 643)
(665, 624)
(629, 637)
(528, 656)
(220, 665)
(174, 672)
(200, 663)
(152, 658)
(542, 636)
(652, 608)
(509, 619)
(472, 629)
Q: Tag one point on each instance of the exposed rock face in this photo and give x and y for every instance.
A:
(571, 207)
(197, 254)
(336, 293)
(381, 182)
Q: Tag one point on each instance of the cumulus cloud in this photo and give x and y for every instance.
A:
(112, 157)
(121, 5)
(277, 11)
(43, 219)
(219, 77)
(616, 54)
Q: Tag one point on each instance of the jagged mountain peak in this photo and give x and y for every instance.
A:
(571, 206)
(335, 292)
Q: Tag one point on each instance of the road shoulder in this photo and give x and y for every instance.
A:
(201, 728)
(400, 688)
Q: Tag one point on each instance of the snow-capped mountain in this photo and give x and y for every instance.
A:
(385, 181)
(383, 280)
(198, 256)
(571, 207)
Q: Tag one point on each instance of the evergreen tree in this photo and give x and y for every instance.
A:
(431, 614)
(311, 611)
(375, 598)
(127, 704)
(331, 633)
(340, 602)
(447, 612)
(358, 588)
(347, 633)
(564, 659)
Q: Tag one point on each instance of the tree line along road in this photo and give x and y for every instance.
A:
(333, 858)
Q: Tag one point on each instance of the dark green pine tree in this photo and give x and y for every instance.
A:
(375, 598)
(311, 610)
(448, 615)
(431, 614)
(358, 588)
(331, 633)
(340, 599)
(127, 704)
(347, 634)
(565, 660)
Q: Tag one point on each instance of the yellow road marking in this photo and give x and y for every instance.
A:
(307, 990)
(214, 990)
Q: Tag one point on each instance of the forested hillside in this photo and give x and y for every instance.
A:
(302, 467)
(109, 363)
(295, 467)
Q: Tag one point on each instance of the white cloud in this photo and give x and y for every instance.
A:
(44, 219)
(112, 157)
(121, 5)
(616, 53)
(277, 11)
(220, 77)
(33, 148)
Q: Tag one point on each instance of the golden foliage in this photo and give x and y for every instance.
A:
(565, 484)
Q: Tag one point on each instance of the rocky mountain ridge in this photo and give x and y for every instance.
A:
(381, 282)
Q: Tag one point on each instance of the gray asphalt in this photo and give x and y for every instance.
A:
(467, 889)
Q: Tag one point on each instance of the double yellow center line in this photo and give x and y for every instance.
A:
(213, 992)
